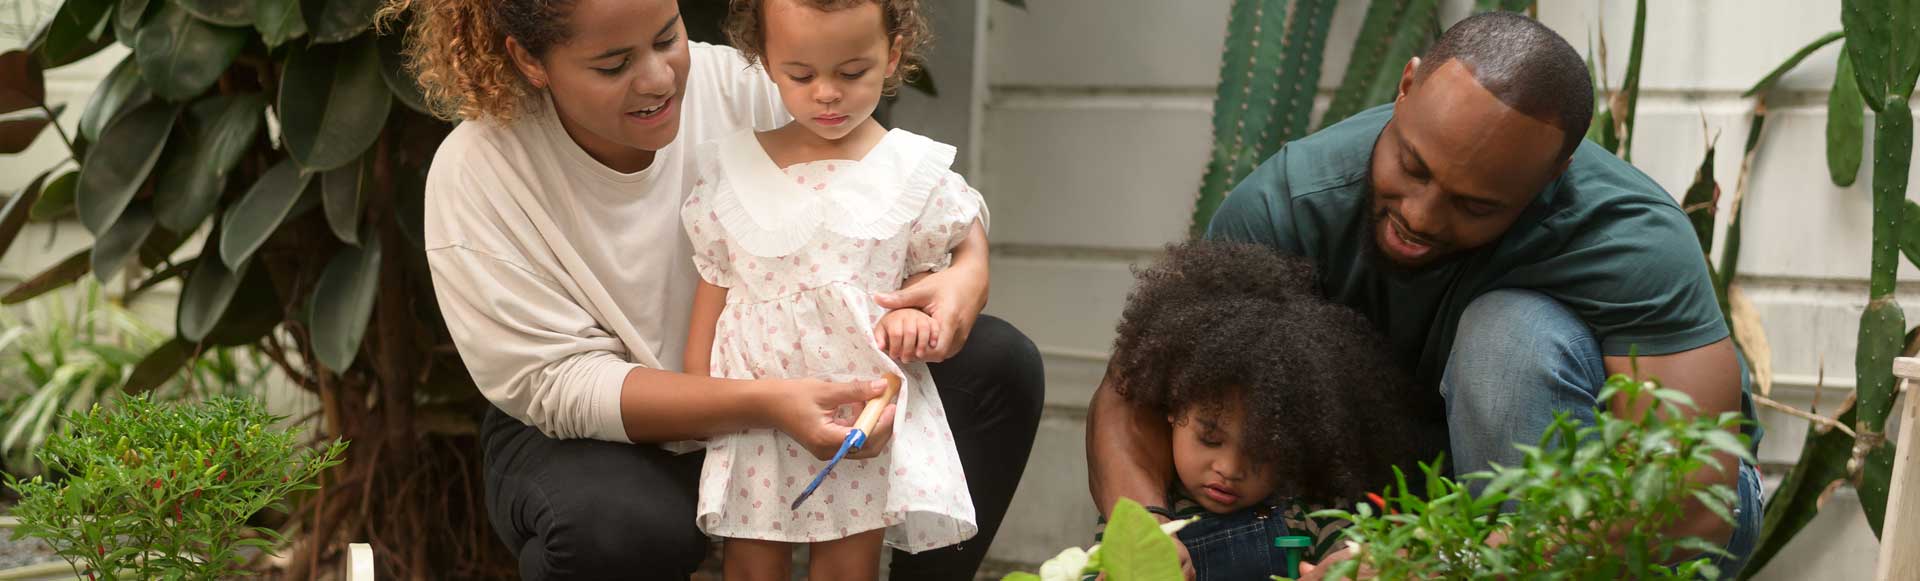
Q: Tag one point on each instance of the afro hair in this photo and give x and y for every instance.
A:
(1215, 324)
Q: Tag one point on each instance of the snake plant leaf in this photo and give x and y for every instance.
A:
(77, 30)
(1393, 32)
(1797, 499)
(1876, 481)
(393, 69)
(278, 21)
(1269, 73)
(208, 290)
(22, 85)
(333, 21)
(1701, 202)
(129, 148)
(332, 103)
(110, 250)
(341, 191)
(56, 200)
(249, 222)
(221, 12)
(343, 301)
(219, 130)
(1846, 125)
(1792, 61)
(121, 91)
(158, 366)
(56, 276)
(180, 56)
(1630, 88)
(16, 211)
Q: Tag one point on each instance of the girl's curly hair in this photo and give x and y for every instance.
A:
(458, 50)
(1219, 324)
(906, 24)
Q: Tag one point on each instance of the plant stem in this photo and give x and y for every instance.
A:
(54, 120)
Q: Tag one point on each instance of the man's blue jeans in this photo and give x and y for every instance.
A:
(1518, 358)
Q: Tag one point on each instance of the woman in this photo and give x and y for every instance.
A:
(564, 276)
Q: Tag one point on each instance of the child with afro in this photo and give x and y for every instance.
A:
(1280, 402)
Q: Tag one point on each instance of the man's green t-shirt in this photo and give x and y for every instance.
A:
(1603, 239)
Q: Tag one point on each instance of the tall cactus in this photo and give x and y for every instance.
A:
(1885, 57)
(1269, 71)
(1393, 32)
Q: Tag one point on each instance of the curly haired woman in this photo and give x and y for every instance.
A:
(554, 237)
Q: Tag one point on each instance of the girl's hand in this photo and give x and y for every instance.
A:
(905, 334)
(804, 409)
(878, 439)
(953, 298)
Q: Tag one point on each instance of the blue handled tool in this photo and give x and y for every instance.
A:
(869, 418)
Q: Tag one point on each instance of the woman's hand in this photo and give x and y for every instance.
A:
(806, 410)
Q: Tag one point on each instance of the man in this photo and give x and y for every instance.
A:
(1511, 265)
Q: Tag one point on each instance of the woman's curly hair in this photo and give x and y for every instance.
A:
(1217, 323)
(906, 24)
(458, 50)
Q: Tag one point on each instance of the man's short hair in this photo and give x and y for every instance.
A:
(1524, 64)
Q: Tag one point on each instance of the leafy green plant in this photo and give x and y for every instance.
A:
(66, 351)
(1588, 502)
(1137, 547)
(153, 490)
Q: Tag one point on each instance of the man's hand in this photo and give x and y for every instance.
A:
(806, 410)
(905, 334)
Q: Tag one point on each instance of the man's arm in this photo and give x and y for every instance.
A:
(1711, 376)
(1129, 450)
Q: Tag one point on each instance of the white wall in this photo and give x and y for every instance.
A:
(1097, 130)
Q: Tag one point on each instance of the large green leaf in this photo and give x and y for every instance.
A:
(22, 86)
(160, 247)
(338, 20)
(249, 222)
(59, 275)
(20, 130)
(221, 12)
(120, 91)
(393, 69)
(180, 56)
(1134, 549)
(127, 16)
(333, 103)
(1883, 46)
(111, 250)
(342, 189)
(278, 21)
(114, 169)
(159, 366)
(219, 130)
(56, 200)
(13, 215)
(343, 301)
(254, 312)
(77, 30)
(1846, 125)
(204, 297)
(1792, 61)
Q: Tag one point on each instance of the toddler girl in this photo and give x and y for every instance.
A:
(1280, 402)
(794, 230)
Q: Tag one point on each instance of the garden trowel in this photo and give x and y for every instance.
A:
(869, 418)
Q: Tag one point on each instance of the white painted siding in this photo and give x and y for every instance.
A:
(1098, 124)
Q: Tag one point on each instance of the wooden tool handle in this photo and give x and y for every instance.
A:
(870, 417)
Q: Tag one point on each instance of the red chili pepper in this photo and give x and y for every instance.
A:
(177, 517)
(196, 493)
(1377, 501)
(103, 552)
(156, 484)
(222, 477)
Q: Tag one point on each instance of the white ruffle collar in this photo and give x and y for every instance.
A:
(767, 214)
